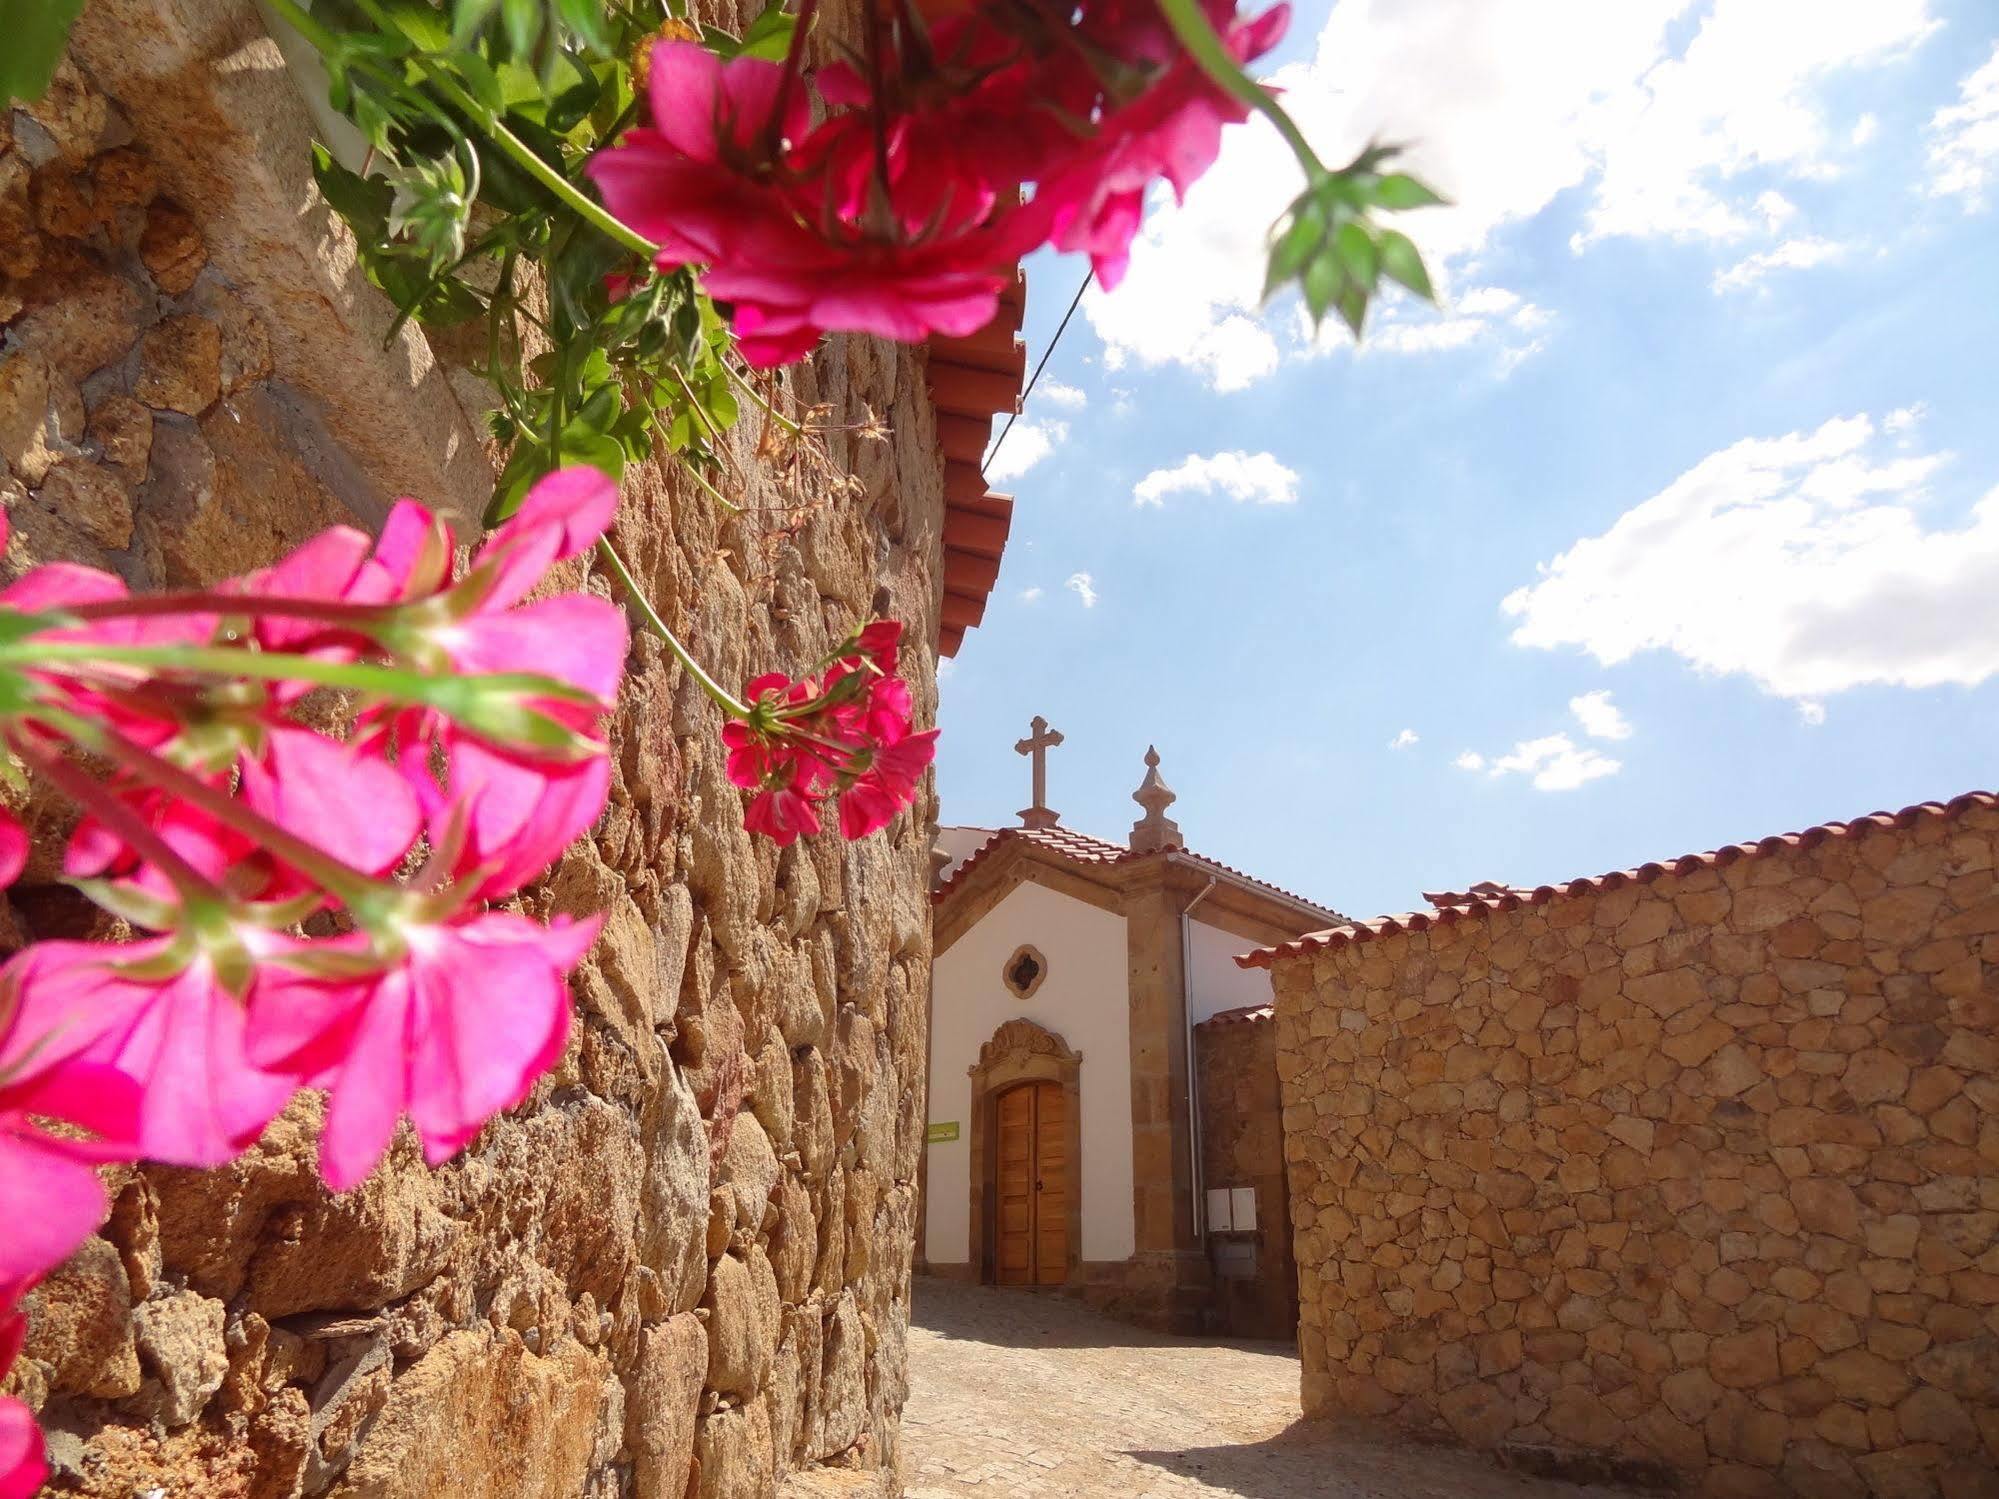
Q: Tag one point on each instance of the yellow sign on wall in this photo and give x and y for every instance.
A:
(938, 1134)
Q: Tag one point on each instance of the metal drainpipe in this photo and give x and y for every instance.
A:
(1193, 1070)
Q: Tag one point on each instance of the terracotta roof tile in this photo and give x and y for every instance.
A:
(1244, 1015)
(1482, 900)
(972, 380)
(1081, 848)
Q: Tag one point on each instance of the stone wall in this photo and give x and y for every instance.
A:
(1242, 1145)
(682, 1267)
(1700, 1170)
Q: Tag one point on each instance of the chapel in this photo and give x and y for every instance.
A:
(1103, 1107)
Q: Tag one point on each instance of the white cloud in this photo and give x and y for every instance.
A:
(1741, 99)
(1483, 316)
(1599, 716)
(1864, 129)
(1673, 131)
(1791, 255)
(1029, 595)
(1055, 393)
(946, 669)
(1964, 144)
(1246, 478)
(1404, 739)
(1812, 713)
(1808, 563)
(1905, 419)
(1026, 445)
(1084, 587)
(1553, 763)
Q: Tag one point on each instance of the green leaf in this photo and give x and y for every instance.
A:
(1353, 308)
(1322, 281)
(769, 35)
(1399, 191)
(37, 31)
(1357, 250)
(362, 201)
(1400, 259)
(523, 22)
(1299, 241)
(585, 20)
(468, 18)
(480, 80)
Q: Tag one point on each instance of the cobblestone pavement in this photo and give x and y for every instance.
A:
(1014, 1393)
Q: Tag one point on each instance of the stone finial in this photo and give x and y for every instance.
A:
(1155, 829)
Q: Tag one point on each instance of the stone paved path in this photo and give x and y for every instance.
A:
(1013, 1393)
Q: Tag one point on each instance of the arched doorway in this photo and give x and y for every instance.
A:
(1027, 1117)
(1033, 1175)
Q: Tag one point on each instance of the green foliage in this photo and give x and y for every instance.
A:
(36, 32)
(476, 112)
(1328, 242)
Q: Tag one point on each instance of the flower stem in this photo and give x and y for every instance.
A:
(750, 388)
(440, 692)
(139, 605)
(727, 701)
(355, 888)
(94, 797)
(1208, 50)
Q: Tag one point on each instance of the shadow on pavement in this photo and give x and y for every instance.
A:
(1042, 1319)
(1309, 1457)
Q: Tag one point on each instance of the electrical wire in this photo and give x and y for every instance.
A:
(1034, 379)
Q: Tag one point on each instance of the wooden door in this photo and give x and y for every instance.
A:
(1033, 1171)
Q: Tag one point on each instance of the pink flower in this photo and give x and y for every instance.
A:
(507, 811)
(1172, 130)
(158, 1015)
(785, 808)
(879, 641)
(887, 785)
(847, 737)
(22, 1468)
(13, 847)
(453, 1033)
(720, 181)
(50, 1197)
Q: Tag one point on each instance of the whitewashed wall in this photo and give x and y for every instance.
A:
(1217, 983)
(1084, 1000)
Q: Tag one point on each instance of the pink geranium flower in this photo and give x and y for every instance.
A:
(155, 1012)
(49, 1191)
(503, 811)
(22, 1467)
(887, 784)
(720, 180)
(1171, 130)
(847, 737)
(456, 1031)
(13, 847)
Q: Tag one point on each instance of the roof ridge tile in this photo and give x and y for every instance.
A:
(1463, 906)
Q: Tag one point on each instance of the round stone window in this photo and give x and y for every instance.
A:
(1024, 971)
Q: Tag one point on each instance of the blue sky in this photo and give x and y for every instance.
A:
(1665, 532)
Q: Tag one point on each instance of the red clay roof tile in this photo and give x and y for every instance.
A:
(1244, 1015)
(1081, 848)
(972, 380)
(1464, 906)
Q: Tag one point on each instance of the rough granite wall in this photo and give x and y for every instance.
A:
(1242, 1145)
(682, 1267)
(1701, 1172)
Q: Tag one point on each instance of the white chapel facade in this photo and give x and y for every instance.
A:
(1078, 987)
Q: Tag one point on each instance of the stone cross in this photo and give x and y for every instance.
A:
(1037, 745)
